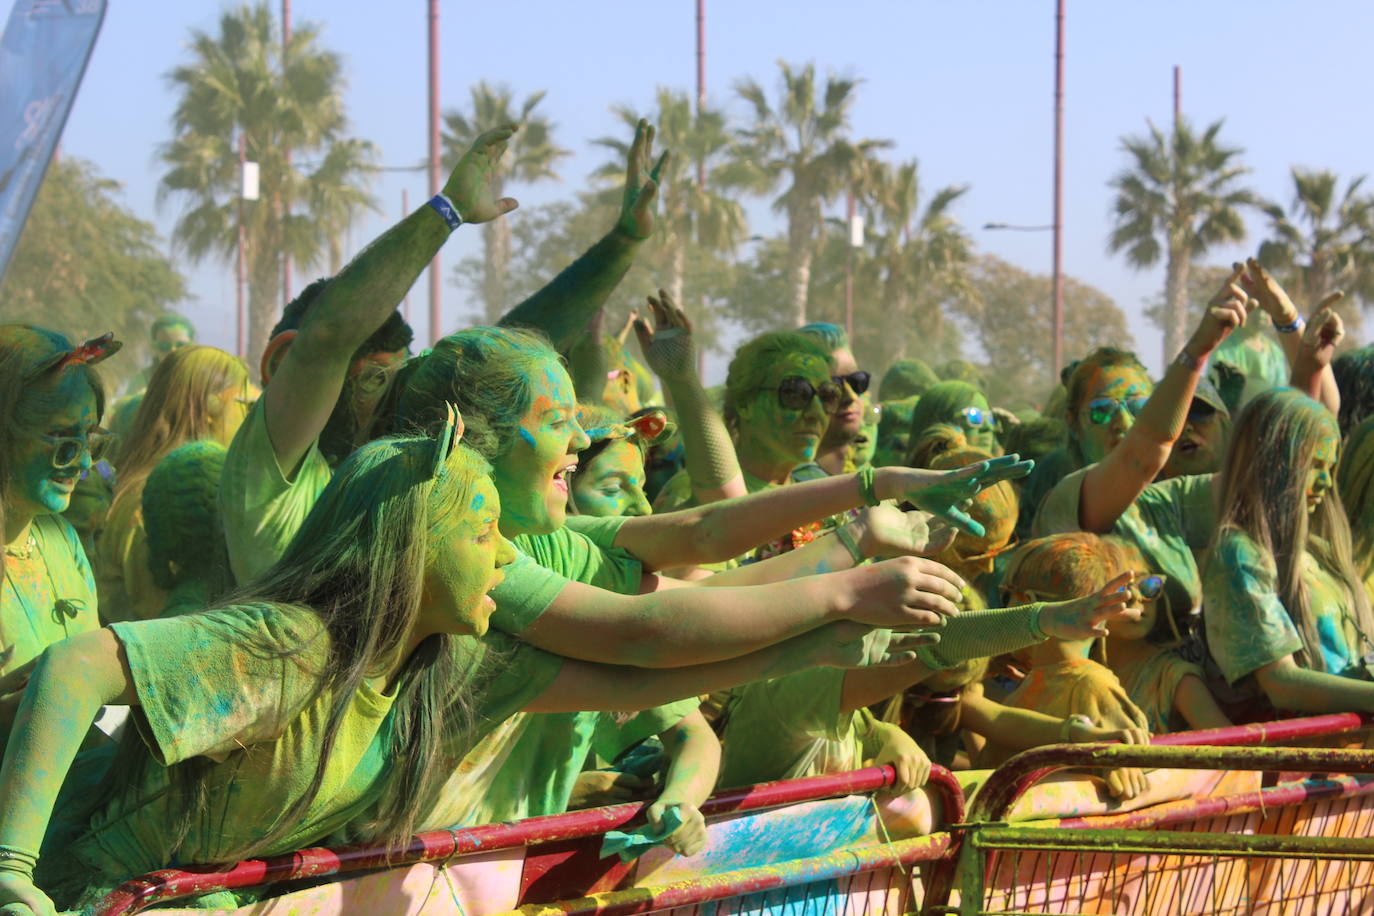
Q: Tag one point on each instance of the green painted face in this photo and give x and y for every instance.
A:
(1321, 475)
(612, 483)
(982, 436)
(1115, 383)
(778, 434)
(531, 475)
(466, 566)
(170, 338)
(35, 486)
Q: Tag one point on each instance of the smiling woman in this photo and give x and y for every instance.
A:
(51, 401)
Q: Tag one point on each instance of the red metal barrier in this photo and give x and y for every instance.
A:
(1011, 780)
(438, 845)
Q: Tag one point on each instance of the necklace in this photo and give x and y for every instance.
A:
(25, 552)
(63, 609)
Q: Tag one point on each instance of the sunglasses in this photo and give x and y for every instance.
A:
(1102, 410)
(1201, 410)
(67, 450)
(858, 382)
(1148, 588)
(795, 393)
(976, 417)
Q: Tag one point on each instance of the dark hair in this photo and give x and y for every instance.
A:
(394, 334)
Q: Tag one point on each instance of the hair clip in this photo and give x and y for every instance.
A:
(650, 428)
(448, 438)
(93, 351)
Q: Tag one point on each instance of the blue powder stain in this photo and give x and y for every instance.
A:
(527, 436)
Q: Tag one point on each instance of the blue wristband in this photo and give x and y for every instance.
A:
(1297, 325)
(445, 208)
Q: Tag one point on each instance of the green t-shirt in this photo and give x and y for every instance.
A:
(216, 686)
(1248, 626)
(1152, 682)
(789, 727)
(46, 596)
(541, 763)
(1171, 522)
(263, 506)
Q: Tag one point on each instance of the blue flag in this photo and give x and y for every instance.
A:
(43, 56)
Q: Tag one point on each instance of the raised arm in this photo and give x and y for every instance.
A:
(1312, 373)
(670, 351)
(563, 307)
(1288, 322)
(1111, 485)
(729, 528)
(357, 301)
(72, 680)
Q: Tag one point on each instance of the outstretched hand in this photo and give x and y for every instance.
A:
(471, 187)
(1256, 281)
(903, 592)
(669, 348)
(641, 185)
(946, 494)
(854, 645)
(1086, 618)
(886, 531)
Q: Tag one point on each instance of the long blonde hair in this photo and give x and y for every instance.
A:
(180, 406)
(1262, 493)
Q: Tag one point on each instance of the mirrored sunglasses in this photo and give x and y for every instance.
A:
(976, 417)
(1102, 410)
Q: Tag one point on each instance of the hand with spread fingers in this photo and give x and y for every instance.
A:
(1261, 286)
(641, 185)
(855, 645)
(946, 494)
(1226, 311)
(669, 348)
(470, 186)
(1086, 618)
(886, 531)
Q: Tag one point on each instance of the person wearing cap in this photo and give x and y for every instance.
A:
(1202, 444)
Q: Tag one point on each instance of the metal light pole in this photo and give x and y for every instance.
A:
(241, 335)
(405, 211)
(1058, 188)
(1178, 95)
(286, 153)
(435, 278)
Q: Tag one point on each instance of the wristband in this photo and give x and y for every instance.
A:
(866, 487)
(1069, 723)
(847, 539)
(445, 208)
(1297, 325)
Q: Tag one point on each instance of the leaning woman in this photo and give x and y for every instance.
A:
(337, 691)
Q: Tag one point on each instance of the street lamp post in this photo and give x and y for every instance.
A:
(1058, 187)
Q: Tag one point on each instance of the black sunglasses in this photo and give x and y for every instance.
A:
(795, 393)
(858, 382)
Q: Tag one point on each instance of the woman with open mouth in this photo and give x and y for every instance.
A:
(51, 402)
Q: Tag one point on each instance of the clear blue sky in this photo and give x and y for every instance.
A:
(965, 87)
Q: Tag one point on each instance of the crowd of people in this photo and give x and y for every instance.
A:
(525, 570)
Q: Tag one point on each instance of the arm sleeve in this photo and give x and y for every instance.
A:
(1247, 625)
(980, 634)
(207, 683)
(563, 307)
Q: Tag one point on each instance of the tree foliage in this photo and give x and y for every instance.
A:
(105, 271)
(1010, 314)
(288, 106)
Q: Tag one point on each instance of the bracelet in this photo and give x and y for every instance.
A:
(1076, 719)
(1189, 361)
(1297, 325)
(445, 208)
(17, 861)
(1036, 630)
(867, 490)
(847, 539)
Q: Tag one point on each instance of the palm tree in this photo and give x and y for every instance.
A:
(802, 143)
(923, 255)
(696, 218)
(239, 83)
(1179, 196)
(530, 156)
(1325, 241)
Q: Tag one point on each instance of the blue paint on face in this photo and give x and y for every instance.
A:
(526, 435)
